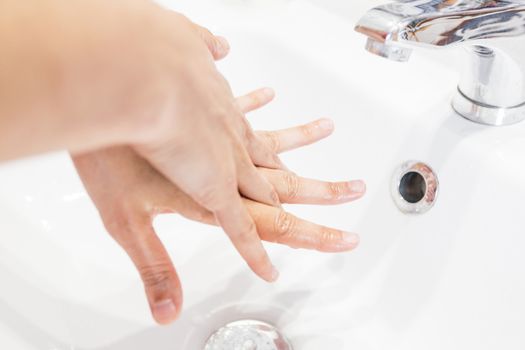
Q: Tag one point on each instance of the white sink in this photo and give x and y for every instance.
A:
(449, 279)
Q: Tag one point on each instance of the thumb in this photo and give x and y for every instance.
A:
(218, 46)
(161, 283)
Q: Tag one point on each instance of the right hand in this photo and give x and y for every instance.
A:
(198, 138)
(203, 143)
(91, 74)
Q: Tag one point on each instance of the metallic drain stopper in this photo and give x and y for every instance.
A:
(247, 335)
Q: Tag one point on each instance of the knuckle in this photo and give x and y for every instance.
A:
(219, 113)
(255, 100)
(120, 223)
(209, 196)
(246, 131)
(230, 181)
(155, 276)
(285, 225)
(275, 197)
(203, 32)
(215, 190)
(184, 19)
(336, 190)
(244, 233)
(292, 185)
(308, 131)
(246, 230)
(222, 116)
(128, 230)
(276, 160)
(208, 35)
(328, 236)
(273, 142)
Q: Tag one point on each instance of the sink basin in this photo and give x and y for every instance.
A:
(449, 279)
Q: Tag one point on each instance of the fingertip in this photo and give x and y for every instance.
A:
(223, 47)
(346, 241)
(351, 239)
(265, 269)
(357, 187)
(269, 93)
(325, 124)
(246, 239)
(164, 311)
(275, 275)
(270, 276)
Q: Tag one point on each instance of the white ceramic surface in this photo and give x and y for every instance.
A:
(450, 279)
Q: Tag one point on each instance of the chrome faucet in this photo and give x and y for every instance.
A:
(492, 87)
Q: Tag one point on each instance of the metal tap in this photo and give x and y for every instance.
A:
(492, 86)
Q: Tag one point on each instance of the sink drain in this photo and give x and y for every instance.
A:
(247, 335)
(414, 187)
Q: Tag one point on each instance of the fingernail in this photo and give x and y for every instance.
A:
(268, 92)
(358, 186)
(224, 45)
(351, 238)
(275, 274)
(325, 124)
(164, 310)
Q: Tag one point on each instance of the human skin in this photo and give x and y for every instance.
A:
(89, 74)
(129, 193)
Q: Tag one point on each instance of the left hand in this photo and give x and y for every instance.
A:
(129, 193)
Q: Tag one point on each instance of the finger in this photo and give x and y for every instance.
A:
(294, 189)
(237, 223)
(259, 152)
(219, 193)
(218, 46)
(261, 155)
(174, 200)
(161, 282)
(278, 226)
(255, 100)
(288, 139)
(252, 183)
(213, 185)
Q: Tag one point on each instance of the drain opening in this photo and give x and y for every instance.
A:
(247, 335)
(412, 187)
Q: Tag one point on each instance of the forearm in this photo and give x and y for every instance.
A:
(60, 84)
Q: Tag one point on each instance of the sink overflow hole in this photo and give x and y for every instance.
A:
(412, 187)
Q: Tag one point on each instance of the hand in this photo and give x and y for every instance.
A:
(128, 72)
(204, 144)
(129, 193)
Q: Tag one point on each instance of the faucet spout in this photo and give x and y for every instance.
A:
(392, 52)
(434, 23)
(492, 89)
